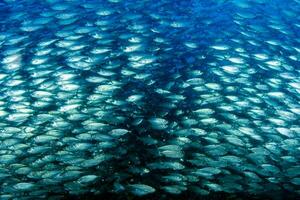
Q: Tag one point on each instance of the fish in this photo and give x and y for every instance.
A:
(149, 99)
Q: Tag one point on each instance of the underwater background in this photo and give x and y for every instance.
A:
(149, 99)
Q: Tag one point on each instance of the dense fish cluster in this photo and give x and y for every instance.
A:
(149, 97)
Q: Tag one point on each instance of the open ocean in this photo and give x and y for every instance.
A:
(149, 99)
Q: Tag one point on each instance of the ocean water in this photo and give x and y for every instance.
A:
(149, 99)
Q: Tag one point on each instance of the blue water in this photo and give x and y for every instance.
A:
(165, 99)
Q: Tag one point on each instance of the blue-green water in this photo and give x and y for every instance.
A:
(148, 99)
